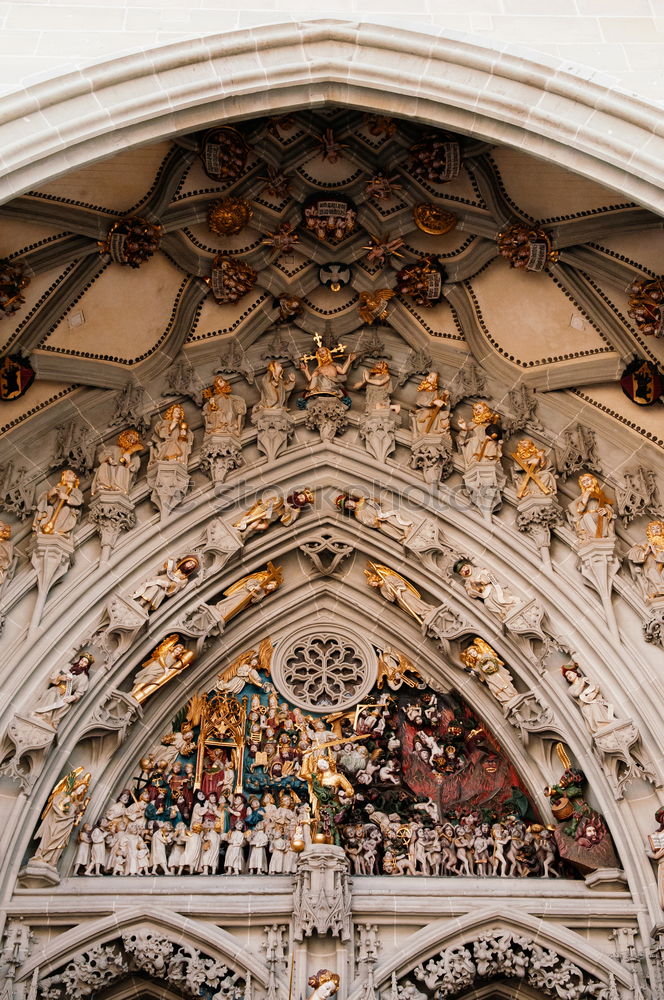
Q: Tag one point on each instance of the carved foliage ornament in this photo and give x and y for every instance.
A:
(131, 241)
(13, 280)
(499, 952)
(526, 247)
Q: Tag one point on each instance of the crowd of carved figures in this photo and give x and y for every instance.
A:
(407, 781)
(441, 438)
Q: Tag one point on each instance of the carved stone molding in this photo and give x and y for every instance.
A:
(321, 898)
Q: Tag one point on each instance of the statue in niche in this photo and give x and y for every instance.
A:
(482, 661)
(274, 508)
(167, 660)
(533, 475)
(324, 397)
(59, 507)
(373, 514)
(647, 561)
(223, 412)
(431, 444)
(324, 984)
(379, 388)
(595, 709)
(398, 591)
(655, 851)
(64, 809)
(275, 388)
(591, 514)
(117, 464)
(249, 590)
(481, 585)
(270, 414)
(65, 688)
(481, 443)
(380, 420)
(246, 669)
(173, 577)
(6, 552)
(172, 438)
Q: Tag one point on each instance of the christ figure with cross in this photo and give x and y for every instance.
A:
(328, 377)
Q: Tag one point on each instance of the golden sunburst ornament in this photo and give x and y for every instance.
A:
(229, 216)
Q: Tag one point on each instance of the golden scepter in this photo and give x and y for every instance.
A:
(49, 527)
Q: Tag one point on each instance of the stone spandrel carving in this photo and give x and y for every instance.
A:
(223, 414)
(617, 742)
(130, 408)
(501, 953)
(431, 443)
(182, 380)
(326, 551)
(218, 543)
(86, 974)
(481, 448)
(17, 491)
(270, 415)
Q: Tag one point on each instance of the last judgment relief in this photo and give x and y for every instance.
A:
(407, 780)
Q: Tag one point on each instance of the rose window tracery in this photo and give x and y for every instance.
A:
(325, 669)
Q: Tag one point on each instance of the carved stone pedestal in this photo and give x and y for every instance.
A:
(377, 430)
(169, 482)
(327, 415)
(617, 749)
(536, 515)
(220, 454)
(112, 512)
(201, 623)
(444, 624)
(274, 427)
(527, 715)
(433, 457)
(38, 875)
(484, 482)
(26, 744)
(123, 620)
(599, 566)
(321, 899)
(426, 544)
(51, 557)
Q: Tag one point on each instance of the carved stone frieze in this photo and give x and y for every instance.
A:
(115, 713)
(25, 748)
(274, 428)
(221, 454)
(218, 545)
(377, 430)
(321, 898)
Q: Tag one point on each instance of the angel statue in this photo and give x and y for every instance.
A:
(431, 444)
(325, 984)
(246, 669)
(117, 464)
(647, 561)
(373, 514)
(167, 660)
(591, 513)
(395, 669)
(380, 386)
(274, 508)
(171, 579)
(483, 662)
(250, 589)
(64, 809)
(172, 439)
(396, 590)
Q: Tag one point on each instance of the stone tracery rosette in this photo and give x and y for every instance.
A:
(318, 668)
(224, 153)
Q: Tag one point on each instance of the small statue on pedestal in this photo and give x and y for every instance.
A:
(223, 413)
(170, 448)
(431, 445)
(270, 414)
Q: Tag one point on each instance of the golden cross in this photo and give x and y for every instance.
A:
(339, 349)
